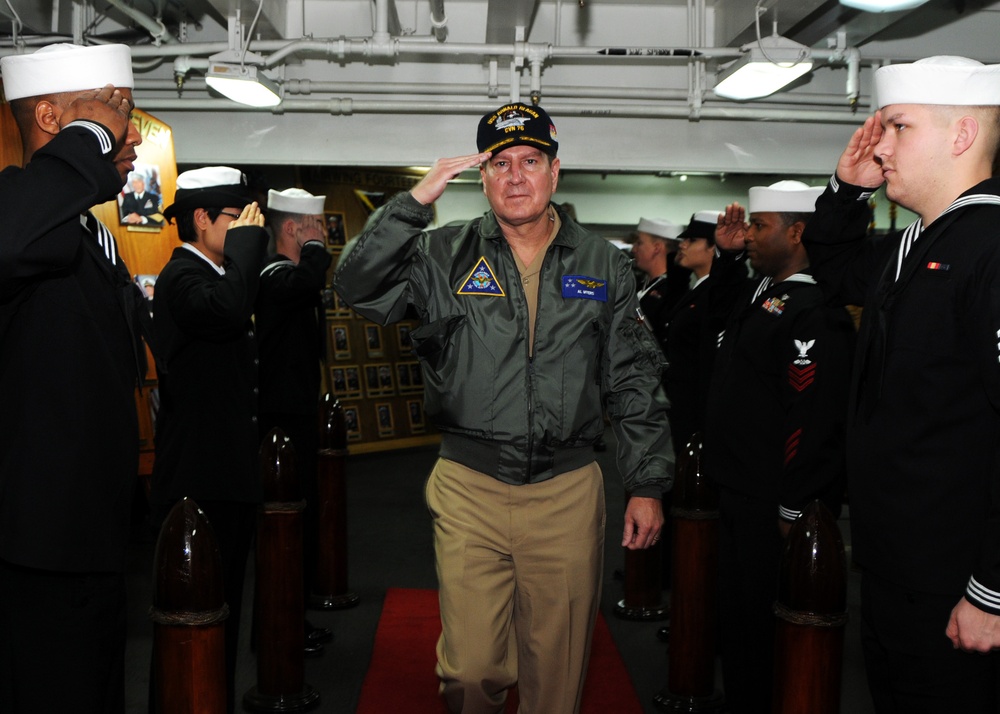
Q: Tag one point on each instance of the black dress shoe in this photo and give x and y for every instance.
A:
(313, 649)
(663, 634)
(316, 635)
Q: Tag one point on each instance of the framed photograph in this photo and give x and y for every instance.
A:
(378, 380)
(385, 381)
(352, 421)
(344, 381)
(409, 378)
(340, 338)
(353, 377)
(336, 231)
(403, 338)
(373, 340)
(383, 417)
(416, 376)
(371, 380)
(403, 377)
(338, 381)
(140, 202)
(336, 307)
(415, 413)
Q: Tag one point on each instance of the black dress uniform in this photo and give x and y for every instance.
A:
(206, 432)
(924, 427)
(290, 331)
(774, 441)
(692, 327)
(660, 296)
(69, 365)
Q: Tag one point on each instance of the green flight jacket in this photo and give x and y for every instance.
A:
(519, 418)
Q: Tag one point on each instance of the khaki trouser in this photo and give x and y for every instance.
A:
(523, 557)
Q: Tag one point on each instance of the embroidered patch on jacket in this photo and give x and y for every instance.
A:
(582, 286)
(938, 266)
(802, 370)
(774, 305)
(481, 281)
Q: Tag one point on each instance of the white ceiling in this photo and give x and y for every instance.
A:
(373, 82)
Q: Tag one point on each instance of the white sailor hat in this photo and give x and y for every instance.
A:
(702, 225)
(948, 80)
(659, 227)
(295, 200)
(784, 197)
(209, 187)
(66, 68)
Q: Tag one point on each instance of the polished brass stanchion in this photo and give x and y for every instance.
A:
(811, 614)
(330, 591)
(694, 591)
(189, 612)
(280, 608)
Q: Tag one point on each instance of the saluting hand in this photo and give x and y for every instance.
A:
(106, 106)
(731, 228)
(250, 216)
(433, 184)
(858, 165)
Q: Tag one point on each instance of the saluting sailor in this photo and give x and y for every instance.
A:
(70, 362)
(775, 420)
(923, 445)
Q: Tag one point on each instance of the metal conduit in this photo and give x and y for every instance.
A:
(439, 21)
(308, 86)
(347, 106)
(153, 26)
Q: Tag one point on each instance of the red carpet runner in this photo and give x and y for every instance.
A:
(401, 674)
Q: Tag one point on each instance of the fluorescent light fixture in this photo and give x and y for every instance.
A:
(882, 5)
(765, 67)
(243, 84)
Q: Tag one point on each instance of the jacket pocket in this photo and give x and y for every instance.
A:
(431, 341)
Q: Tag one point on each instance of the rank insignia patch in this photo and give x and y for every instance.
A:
(800, 378)
(481, 281)
(581, 286)
(802, 370)
(803, 348)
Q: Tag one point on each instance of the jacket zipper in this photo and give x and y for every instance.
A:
(531, 363)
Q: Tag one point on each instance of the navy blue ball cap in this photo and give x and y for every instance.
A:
(517, 124)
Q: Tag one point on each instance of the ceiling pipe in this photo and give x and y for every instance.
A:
(346, 106)
(342, 47)
(439, 21)
(381, 37)
(309, 86)
(155, 28)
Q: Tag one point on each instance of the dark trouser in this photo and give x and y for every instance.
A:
(233, 524)
(62, 642)
(750, 547)
(911, 665)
